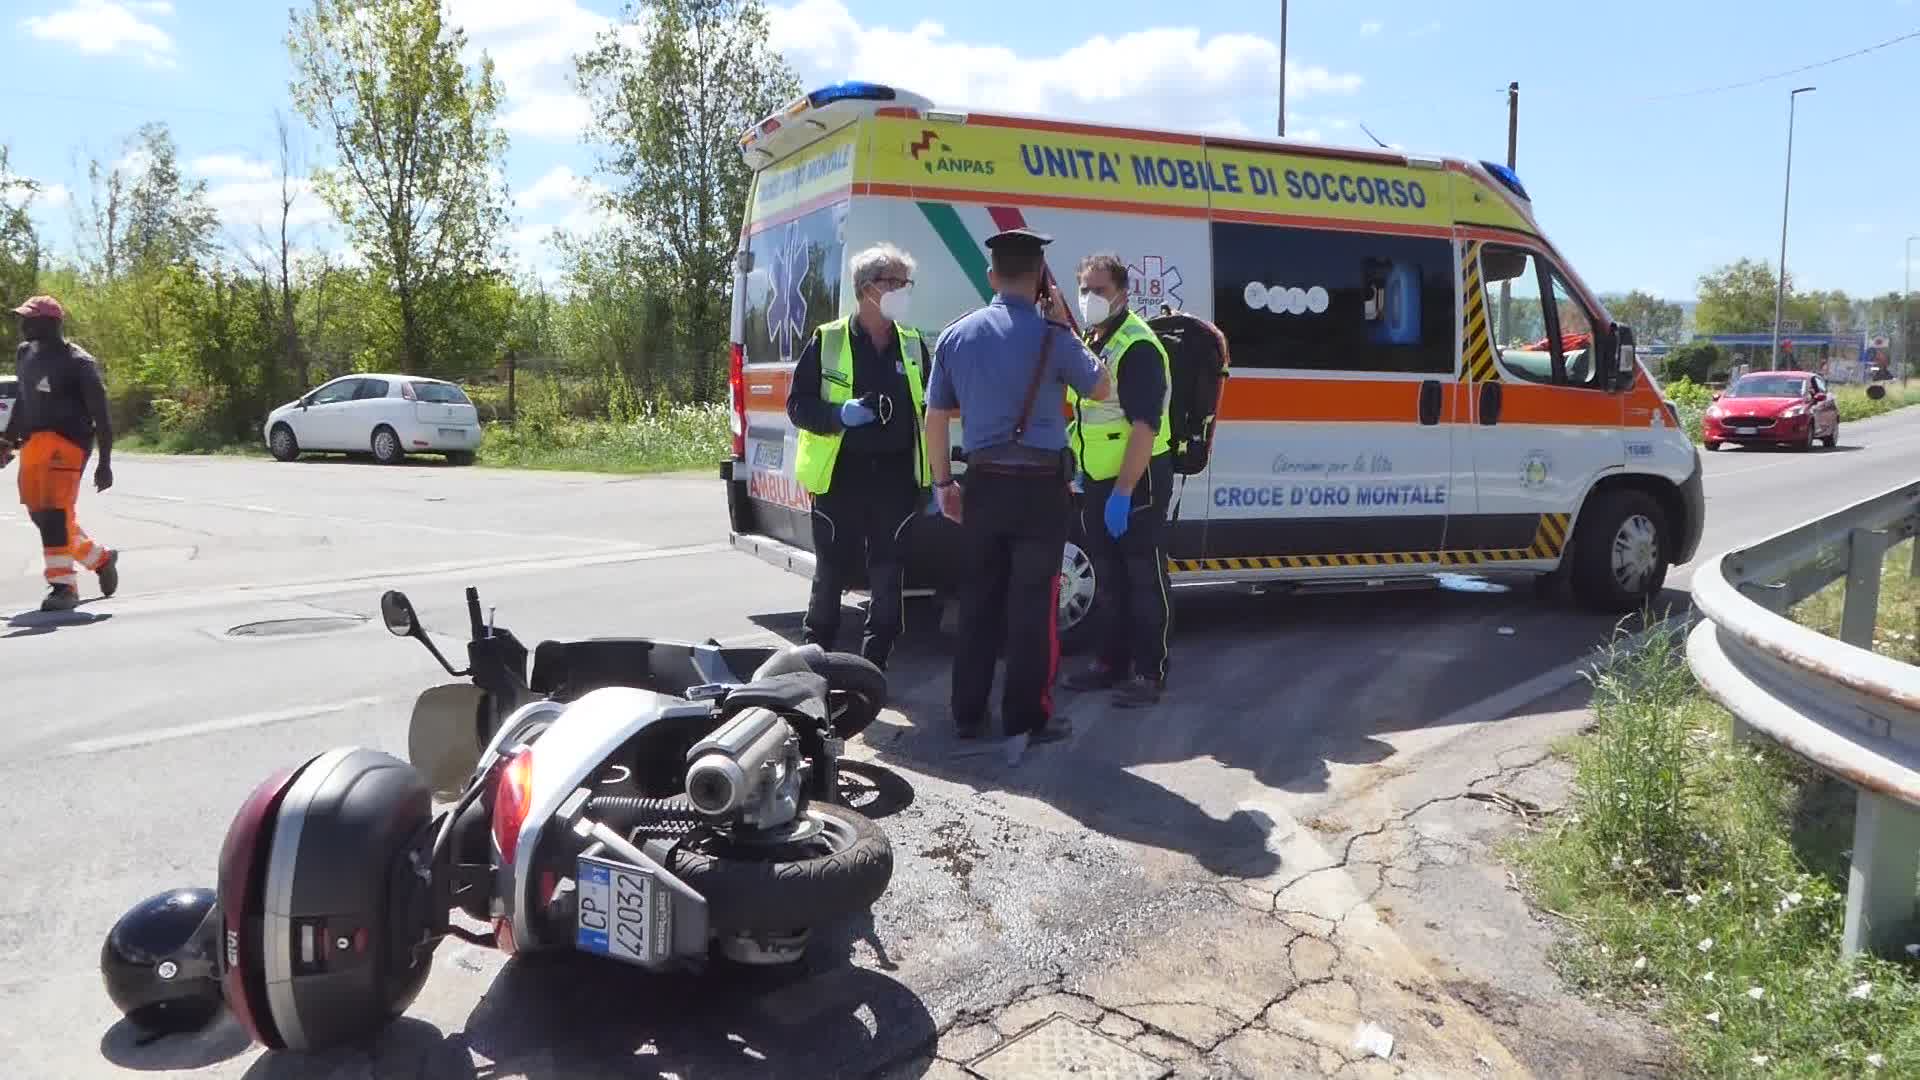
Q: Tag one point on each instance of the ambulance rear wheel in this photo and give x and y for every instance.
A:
(1080, 600)
(1619, 551)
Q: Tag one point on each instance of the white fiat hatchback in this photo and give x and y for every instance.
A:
(388, 416)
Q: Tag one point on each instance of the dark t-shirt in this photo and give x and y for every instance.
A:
(60, 391)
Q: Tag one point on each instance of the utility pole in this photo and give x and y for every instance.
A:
(1780, 287)
(1513, 143)
(1513, 121)
(1283, 68)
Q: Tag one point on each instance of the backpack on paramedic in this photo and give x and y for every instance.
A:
(1197, 362)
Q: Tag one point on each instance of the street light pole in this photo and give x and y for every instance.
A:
(1780, 290)
(1906, 317)
(1283, 68)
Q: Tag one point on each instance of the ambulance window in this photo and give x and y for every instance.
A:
(793, 284)
(1516, 318)
(1576, 335)
(1324, 300)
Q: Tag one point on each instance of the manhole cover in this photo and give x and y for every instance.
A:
(1069, 1051)
(319, 624)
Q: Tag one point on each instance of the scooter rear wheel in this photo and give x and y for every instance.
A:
(838, 870)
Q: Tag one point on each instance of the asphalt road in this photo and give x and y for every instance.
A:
(137, 727)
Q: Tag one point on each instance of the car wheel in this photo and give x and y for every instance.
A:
(459, 457)
(1619, 551)
(1079, 599)
(386, 446)
(1712, 446)
(1806, 444)
(284, 446)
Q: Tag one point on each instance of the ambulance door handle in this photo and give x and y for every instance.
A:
(1430, 394)
(1490, 403)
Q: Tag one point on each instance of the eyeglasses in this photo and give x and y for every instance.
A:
(898, 283)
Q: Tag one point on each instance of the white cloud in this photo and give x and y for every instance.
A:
(106, 27)
(230, 167)
(247, 206)
(1430, 28)
(548, 116)
(1174, 77)
(1370, 27)
(52, 196)
(560, 185)
(533, 46)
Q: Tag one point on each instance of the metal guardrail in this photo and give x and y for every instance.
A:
(1834, 702)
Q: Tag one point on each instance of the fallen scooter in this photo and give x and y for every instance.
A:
(645, 802)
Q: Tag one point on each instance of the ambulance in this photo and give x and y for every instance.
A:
(1421, 386)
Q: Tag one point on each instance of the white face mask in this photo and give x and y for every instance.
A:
(895, 305)
(1094, 308)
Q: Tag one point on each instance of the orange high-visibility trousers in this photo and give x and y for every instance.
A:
(51, 467)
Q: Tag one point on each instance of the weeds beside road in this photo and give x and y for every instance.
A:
(1896, 633)
(1707, 882)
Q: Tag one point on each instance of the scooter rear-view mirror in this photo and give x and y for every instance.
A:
(396, 611)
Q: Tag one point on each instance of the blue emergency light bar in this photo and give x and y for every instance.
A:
(850, 91)
(1508, 177)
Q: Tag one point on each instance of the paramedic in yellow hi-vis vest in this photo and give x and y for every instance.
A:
(1122, 446)
(859, 399)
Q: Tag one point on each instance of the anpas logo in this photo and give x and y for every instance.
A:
(935, 156)
(1152, 283)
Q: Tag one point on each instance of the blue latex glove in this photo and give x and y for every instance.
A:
(854, 414)
(1119, 510)
(1079, 485)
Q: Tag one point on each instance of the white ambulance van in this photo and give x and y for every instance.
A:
(1420, 383)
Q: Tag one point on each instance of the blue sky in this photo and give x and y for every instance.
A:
(1641, 188)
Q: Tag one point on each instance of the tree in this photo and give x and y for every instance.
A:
(1652, 318)
(19, 242)
(1737, 298)
(167, 219)
(272, 259)
(1696, 361)
(669, 113)
(419, 155)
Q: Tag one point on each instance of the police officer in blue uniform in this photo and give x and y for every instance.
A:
(1003, 371)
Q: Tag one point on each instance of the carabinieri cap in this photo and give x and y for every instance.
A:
(1018, 241)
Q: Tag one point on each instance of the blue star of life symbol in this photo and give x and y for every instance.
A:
(787, 311)
(1155, 283)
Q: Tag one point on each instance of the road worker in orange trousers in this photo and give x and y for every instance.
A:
(61, 412)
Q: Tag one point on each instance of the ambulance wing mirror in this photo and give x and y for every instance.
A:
(1623, 356)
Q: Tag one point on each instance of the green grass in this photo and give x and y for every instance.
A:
(1707, 882)
(1896, 631)
(185, 442)
(1692, 399)
(663, 439)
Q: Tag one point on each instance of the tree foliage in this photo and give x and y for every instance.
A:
(19, 243)
(1652, 319)
(416, 183)
(1697, 361)
(1737, 298)
(668, 113)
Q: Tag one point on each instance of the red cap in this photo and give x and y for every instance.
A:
(41, 307)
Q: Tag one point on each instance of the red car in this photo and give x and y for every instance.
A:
(1785, 408)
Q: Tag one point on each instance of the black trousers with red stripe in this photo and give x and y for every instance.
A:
(1014, 529)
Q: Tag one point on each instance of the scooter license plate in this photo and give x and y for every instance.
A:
(619, 912)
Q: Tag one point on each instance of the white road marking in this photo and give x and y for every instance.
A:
(371, 523)
(200, 599)
(209, 727)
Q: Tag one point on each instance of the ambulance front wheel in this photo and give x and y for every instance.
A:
(1619, 551)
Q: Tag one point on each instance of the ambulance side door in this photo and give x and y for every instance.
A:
(1545, 424)
(1335, 446)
